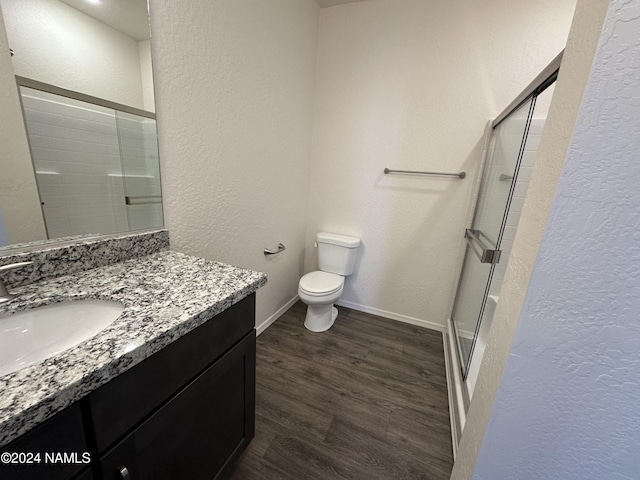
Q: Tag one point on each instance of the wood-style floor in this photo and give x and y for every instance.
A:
(365, 400)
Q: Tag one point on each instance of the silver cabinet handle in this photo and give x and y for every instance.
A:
(486, 255)
(124, 473)
(281, 248)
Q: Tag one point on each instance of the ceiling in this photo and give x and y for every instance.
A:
(130, 16)
(331, 3)
(127, 16)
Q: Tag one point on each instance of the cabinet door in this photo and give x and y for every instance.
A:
(88, 475)
(200, 431)
(57, 449)
(117, 407)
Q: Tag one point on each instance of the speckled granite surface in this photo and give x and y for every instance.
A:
(80, 253)
(42, 244)
(165, 295)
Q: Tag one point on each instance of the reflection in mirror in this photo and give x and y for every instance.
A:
(94, 166)
(94, 51)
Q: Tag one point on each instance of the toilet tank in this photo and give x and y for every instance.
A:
(337, 253)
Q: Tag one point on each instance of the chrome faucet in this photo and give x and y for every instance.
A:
(5, 296)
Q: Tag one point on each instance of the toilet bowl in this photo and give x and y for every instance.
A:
(322, 288)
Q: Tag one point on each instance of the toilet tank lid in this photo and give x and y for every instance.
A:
(336, 239)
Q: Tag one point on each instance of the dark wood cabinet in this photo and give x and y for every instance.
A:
(87, 475)
(35, 455)
(185, 412)
(199, 431)
(121, 404)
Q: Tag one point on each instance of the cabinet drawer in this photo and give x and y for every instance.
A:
(200, 431)
(62, 434)
(118, 406)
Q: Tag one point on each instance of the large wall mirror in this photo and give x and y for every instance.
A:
(85, 88)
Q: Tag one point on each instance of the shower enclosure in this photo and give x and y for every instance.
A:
(513, 144)
(95, 162)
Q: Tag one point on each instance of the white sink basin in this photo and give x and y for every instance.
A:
(33, 335)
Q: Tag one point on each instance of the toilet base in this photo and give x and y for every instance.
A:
(320, 318)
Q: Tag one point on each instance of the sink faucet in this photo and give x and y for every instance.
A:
(5, 296)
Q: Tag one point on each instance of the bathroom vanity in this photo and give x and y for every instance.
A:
(166, 391)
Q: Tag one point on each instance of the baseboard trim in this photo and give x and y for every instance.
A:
(392, 316)
(267, 323)
(355, 306)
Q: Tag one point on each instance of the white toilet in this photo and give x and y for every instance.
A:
(322, 288)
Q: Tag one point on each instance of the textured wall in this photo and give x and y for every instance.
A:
(411, 85)
(19, 203)
(57, 44)
(583, 38)
(567, 407)
(234, 95)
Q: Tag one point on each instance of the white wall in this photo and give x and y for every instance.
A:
(577, 60)
(20, 214)
(146, 75)
(411, 85)
(234, 95)
(59, 45)
(567, 407)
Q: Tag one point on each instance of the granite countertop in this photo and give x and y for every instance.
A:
(164, 295)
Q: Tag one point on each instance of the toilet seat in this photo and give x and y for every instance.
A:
(321, 283)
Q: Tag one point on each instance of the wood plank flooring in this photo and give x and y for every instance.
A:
(365, 400)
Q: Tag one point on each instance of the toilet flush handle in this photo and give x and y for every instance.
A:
(281, 248)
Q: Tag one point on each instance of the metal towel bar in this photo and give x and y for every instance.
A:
(142, 199)
(486, 255)
(418, 172)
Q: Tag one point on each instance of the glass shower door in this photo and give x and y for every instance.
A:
(485, 235)
(138, 141)
(97, 169)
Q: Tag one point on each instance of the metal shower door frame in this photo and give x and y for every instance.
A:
(543, 80)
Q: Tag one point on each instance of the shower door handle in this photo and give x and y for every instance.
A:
(486, 255)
